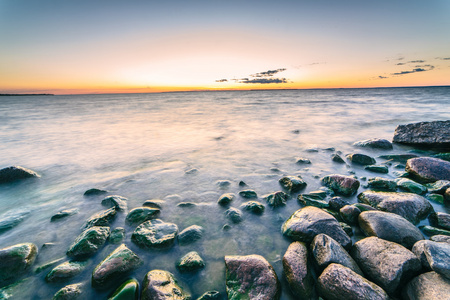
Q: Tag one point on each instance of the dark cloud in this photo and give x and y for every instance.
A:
(400, 64)
(268, 73)
(443, 58)
(416, 70)
(222, 80)
(264, 80)
(382, 77)
(419, 61)
(260, 78)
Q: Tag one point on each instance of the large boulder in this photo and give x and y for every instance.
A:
(251, 277)
(338, 282)
(88, 242)
(162, 285)
(428, 169)
(297, 269)
(434, 134)
(15, 173)
(310, 221)
(412, 207)
(65, 271)
(390, 227)
(375, 144)
(427, 286)
(340, 184)
(387, 264)
(15, 260)
(103, 218)
(155, 234)
(410, 186)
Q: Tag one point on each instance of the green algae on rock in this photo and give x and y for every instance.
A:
(103, 218)
(88, 242)
(129, 290)
(15, 260)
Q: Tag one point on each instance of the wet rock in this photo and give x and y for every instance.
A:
(142, 214)
(419, 250)
(251, 277)
(186, 204)
(428, 169)
(361, 159)
(88, 242)
(440, 238)
(117, 235)
(340, 184)
(364, 207)
(432, 134)
(190, 235)
(447, 195)
(336, 203)
(410, 186)
(155, 203)
(303, 161)
(377, 169)
(45, 266)
(211, 295)
(63, 214)
(382, 184)
(103, 218)
(248, 194)
(155, 234)
(443, 156)
(337, 158)
(254, 207)
(15, 260)
(297, 270)
(65, 271)
(69, 292)
(15, 173)
(162, 285)
(129, 290)
(410, 206)
(225, 199)
(440, 220)
(436, 198)
(234, 215)
(190, 262)
(375, 144)
(349, 214)
(430, 230)
(309, 221)
(390, 227)
(94, 192)
(223, 184)
(312, 200)
(12, 219)
(387, 264)
(119, 202)
(347, 228)
(402, 158)
(292, 184)
(438, 256)
(438, 187)
(276, 199)
(427, 286)
(115, 266)
(338, 282)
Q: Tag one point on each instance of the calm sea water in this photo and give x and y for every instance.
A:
(180, 147)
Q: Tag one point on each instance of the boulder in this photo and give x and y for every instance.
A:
(427, 286)
(15, 260)
(430, 134)
(190, 235)
(276, 199)
(119, 202)
(296, 267)
(349, 214)
(115, 266)
(440, 220)
(88, 242)
(117, 235)
(63, 214)
(254, 207)
(161, 285)
(338, 282)
(129, 290)
(225, 199)
(69, 292)
(251, 277)
(387, 264)
(361, 159)
(390, 227)
(190, 262)
(410, 206)
(234, 215)
(12, 219)
(15, 173)
(428, 169)
(410, 186)
(375, 144)
(310, 221)
(65, 271)
(103, 218)
(155, 234)
(340, 184)
(419, 250)
(141, 214)
(292, 184)
(438, 256)
(438, 187)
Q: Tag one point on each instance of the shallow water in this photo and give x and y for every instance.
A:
(179, 147)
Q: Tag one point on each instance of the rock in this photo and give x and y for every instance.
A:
(375, 144)
(312, 200)
(248, 194)
(63, 214)
(438, 187)
(142, 214)
(211, 295)
(428, 169)
(276, 199)
(382, 184)
(69, 292)
(94, 192)
(377, 169)
(155, 234)
(390, 227)
(223, 184)
(191, 262)
(303, 161)
(438, 256)
(234, 215)
(65, 271)
(361, 159)
(12, 219)
(440, 220)
(402, 158)
(297, 270)
(410, 206)
(254, 207)
(129, 290)
(154, 203)
(115, 266)
(387, 264)
(15, 173)
(349, 214)
(430, 230)
(336, 203)
(443, 156)
(225, 199)
(186, 204)
(326, 251)
(103, 218)
(119, 202)
(431, 134)
(15, 260)
(347, 228)
(427, 286)
(440, 238)
(419, 250)
(45, 266)
(190, 235)
(117, 235)
(364, 207)
(410, 186)
(309, 221)
(340, 184)
(161, 285)
(337, 158)
(292, 184)
(338, 282)
(436, 198)
(251, 277)
(447, 195)
(88, 242)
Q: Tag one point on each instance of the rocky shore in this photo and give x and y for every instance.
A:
(399, 257)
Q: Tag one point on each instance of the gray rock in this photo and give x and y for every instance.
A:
(410, 186)
(336, 203)
(249, 194)
(390, 227)
(438, 256)
(155, 234)
(375, 144)
(162, 285)
(438, 187)
(312, 200)
(234, 215)
(387, 264)
(276, 199)
(434, 134)
(15, 260)
(297, 270)
(117, 235)
(303, 161)
(377, 169)
(141, 214)
(382, 184)
(63, 214)
(65, 271)
(12, 219)
(361, 159)
(427, 286)
(292, 184)
(349, 214)
(190, 235)
(309, 221)
(440, 220)
(337, 158)
(428, 169)
(15, 173)
(440, 238)
(190, 262)
(251, 277)
(225, 199)
(338, 282)
(88, 242)
(254, 207)
(119, 202)
(340, 184)
(69, 292)
(103, 218)
(419, 250)
(410, 206)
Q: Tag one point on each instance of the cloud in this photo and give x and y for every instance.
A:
(382, 77)
(419, 61)
(415, 70)
(222, 80)
(264, 80)
(400, 64)
(259, 78)
(268, 73)
(443, 58)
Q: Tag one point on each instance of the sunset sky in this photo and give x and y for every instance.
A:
(66, 47)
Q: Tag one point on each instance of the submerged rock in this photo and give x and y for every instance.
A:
(251, 277)
(69, 292)
(438, 187)
(119, 202)
(340, 184)
(410, 186)
(103, 218)
(303, 161)
(190, 235)
(141, 214)
(254, 207)
(15, 173)
(94, 192)
(276, 199)
(129, 290)
(155, 234)
(225, 199)
(15, 260)
(430, 230)
(190, 262)
(248, 194)
(382, 184)
(154, 203)
(65, 271)
(427, 286)
(117, 235)
(88, 242)
(402, 158)
(234, 215)
(161, 285)
(292, 184)
(377, 169)
(12, 219)
(428, 169)
(375, 144)
(433, 134)
(63, 214)
(361, 159)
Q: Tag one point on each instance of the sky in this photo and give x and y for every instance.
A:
(91, 46)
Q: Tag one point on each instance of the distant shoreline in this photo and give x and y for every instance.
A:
(27, 94)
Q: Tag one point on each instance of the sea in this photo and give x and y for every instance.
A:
(187, 147)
